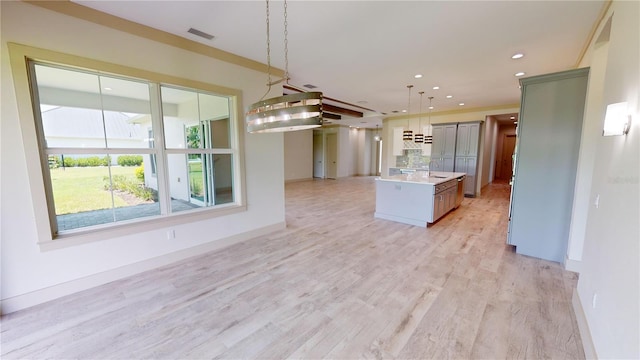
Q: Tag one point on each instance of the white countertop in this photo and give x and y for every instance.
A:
(419, 177)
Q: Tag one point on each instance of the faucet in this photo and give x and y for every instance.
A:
(429, 166)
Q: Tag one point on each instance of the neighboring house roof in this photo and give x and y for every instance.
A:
(88, 123)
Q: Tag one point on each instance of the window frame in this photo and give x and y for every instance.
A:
(36, 156)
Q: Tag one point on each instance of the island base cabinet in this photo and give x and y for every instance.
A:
(444, 199)
(416, 202)
(443, 203)
(404, 202)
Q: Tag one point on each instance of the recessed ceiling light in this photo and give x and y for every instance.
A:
(404, 111)
(461, 104)
(449, 96)
(430, 107)
(417, 76)
(395, 111)
(436, 87)
(517, 56)
(520, 73)
(108, 88)
(512, 118)
(363, 102)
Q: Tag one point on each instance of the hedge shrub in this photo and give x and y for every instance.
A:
(130, 160)
(87, 161)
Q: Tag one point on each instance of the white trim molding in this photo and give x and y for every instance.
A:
(572, 265)
(583, 327)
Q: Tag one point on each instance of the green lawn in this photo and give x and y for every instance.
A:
(79, 189)
(195, 178)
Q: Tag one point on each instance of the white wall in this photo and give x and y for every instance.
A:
(354, 151)
(298, 155)
(487, 153)
(611, 255)
(29, 274)
(591, 133)
(366, 147)
(345, 151)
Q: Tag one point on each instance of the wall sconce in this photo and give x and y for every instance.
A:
(617, 119)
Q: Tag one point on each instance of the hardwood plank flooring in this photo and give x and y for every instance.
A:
(336, 283)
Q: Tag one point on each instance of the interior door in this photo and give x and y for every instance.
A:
(318, 156)
(332, 156)
(508, 146)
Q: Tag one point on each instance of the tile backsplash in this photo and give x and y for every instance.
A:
(412, 158)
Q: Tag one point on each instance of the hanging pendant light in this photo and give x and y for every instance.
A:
(408, 134)
(428, 139)
(419, 137)
(377, 137)
(288, 112)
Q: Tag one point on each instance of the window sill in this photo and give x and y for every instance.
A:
(83, 236)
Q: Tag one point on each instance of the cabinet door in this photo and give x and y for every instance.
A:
(462, 141)
(451, 199)
(449, 141)
(461, 164)
(474, 139)
(447, 164)
(441, 204)
(438, 141)
(470, 183)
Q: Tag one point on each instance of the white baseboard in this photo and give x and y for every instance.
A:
(37, 297)
(298, 180)
(583, 327)
(572, 265)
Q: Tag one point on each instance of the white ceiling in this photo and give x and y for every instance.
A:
(369, 51)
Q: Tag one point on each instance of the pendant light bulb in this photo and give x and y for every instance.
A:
(377, 136)
(428, 139)
(408, 134)
(419, 136)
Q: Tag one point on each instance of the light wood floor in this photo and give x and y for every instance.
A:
(337, 283)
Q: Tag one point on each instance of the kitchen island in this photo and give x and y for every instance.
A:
(418, 198)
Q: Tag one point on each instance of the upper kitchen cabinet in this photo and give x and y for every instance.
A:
(468, 139)
(443, 149)
(548, 143)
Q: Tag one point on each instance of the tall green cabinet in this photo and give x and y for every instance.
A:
(548, 142)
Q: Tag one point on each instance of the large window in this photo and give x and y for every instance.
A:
(119, 150)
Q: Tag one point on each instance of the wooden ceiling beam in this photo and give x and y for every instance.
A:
(333, 108)
(328, 115)
(341, 110)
